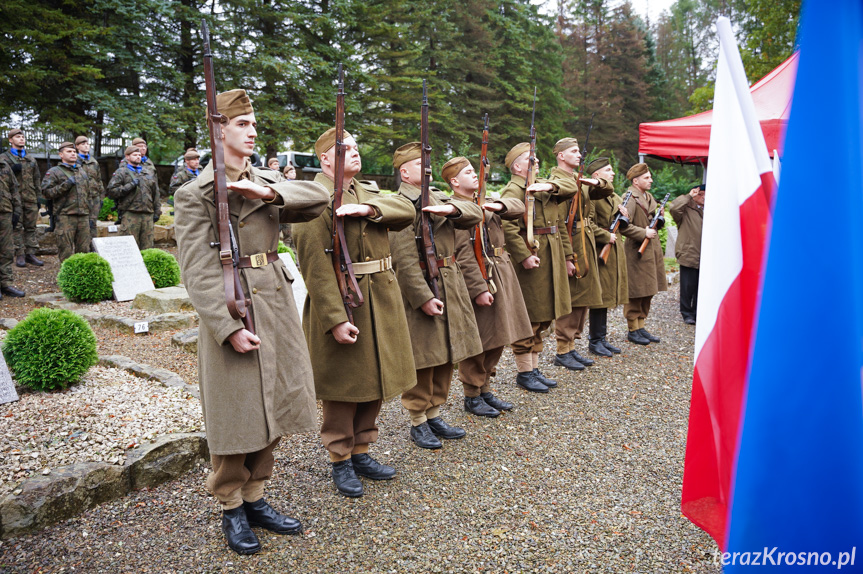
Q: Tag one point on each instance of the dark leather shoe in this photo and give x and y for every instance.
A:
(635, 337)
(648, 336)
(568, 361)
(689, 320)
(496, 403)
(262, 515)
(550, 383)
(597, 348)
(423, 436)
(33, 260)
(583, 360)
(439, 427)
(610, 347)
(12, 292)
(365, 465)
(346, 480)
(528, 381)
(19, 261)
(238, 533)
(478, 406)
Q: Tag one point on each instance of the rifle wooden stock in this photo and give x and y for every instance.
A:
(480, 232)
(575, 208)
(653, 224)
(615, 225)
(425, 239)
(529, 180)
(238, 306)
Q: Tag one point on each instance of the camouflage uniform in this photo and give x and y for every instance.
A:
(181, 177)
(10, 202)
(148, 167)
(28, 178)
(137, 196)
(97, 190)
(69, 188)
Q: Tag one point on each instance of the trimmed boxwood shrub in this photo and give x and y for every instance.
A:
(86, 277)
(285, 249)
(162, 267)
(50, 349)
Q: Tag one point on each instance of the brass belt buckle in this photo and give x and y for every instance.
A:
(258, 260)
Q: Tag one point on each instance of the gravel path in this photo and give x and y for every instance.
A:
(585, 478)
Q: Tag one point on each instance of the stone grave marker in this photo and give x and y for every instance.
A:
(127, 265)
(299, 286)
(7, 387)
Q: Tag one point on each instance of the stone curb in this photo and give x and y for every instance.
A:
(164, 376)
(186, 340)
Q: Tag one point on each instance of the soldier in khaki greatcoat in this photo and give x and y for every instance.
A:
(500, 315)
(580, 249)
(97, 190)
(26, 172)
(67, 185)
(358, 364)
(255, 388)
(443, 330)
(137, 194)
(646, 273)
(612, 273)
(542, 277)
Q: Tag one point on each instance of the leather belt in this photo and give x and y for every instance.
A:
(545, 230)
(368, 267)
(258, 260)
(445, 262)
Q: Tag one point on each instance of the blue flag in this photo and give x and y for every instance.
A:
(797, 501)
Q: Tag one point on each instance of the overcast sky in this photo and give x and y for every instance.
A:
(651, 8)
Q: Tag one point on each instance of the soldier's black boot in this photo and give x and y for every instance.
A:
(527, 381)
(12, 291)
(238, 533)
(648, 336)
(365, 465)
(495, 402)
(423, 437)
(262, 515)
(568, 361)
(345, 479)
(33, 260)
(439, 427)
(583, 360)
(637, 338)
(20, 262)
(478, 407)
(550, 383)
(596, 332)
(610, 347)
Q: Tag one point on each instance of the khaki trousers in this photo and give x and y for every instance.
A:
(636, 312)
(531, 344)
(423, 401)
(239, 477)
(348, 428)
(475, 371)
(569, 328)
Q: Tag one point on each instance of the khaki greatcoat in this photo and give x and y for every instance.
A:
(379, 365)
(453, 336)
(612, 274)
(689, 217)
(248, 399)
(506, 320)
(646, 274)
(546, 288)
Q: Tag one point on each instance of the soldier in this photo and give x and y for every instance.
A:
(182, 164)
(255, 388)
(67, 185)
(580, 249)
(190, 171)
(688, 212)
(28, 177)
(94, 175)
(541, 277)
(10, 213)
(137, 195)
(147, 164)
(358, 364)
(645, 273)
(612, 274)
(290, 172)
(500, 316)
(443, 330)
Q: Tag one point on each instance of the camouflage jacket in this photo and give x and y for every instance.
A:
(68, 187)
(10, 199)
(147, 166)
(140, 197)
(97, 190)
(178, 179)
(27, 178)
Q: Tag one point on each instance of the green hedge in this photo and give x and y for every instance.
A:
(86, 277)
(162, 267)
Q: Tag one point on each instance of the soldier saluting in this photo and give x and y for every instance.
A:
(67, 185)
(137, 193)
(26, 172)
(10, 211)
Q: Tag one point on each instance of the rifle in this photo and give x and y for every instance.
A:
(49, 211)
(342, 264)
(653, 224)
(529, 179)
(575, 208)
(618, 219)
(238, 306)
(480, 232)
(425, 239)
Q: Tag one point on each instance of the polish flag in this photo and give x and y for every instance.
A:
(740, 182)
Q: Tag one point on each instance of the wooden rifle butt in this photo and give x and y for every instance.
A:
(605, 252)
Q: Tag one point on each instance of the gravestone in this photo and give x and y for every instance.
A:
(299, 286)
(7, 387)
(127, 265)
(670, 241)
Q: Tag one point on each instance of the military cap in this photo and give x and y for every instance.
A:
(191, 154)
(137, 141)
(328, 140)
(515, 152)
(234, 103)
(637, 170)
(131, 149)
(406, 153)
(64, 145)
(596, 164)
(14, 132)
(564, 144)
(81, 139)
(453, 167)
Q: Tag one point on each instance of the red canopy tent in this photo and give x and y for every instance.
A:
(685, 140)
